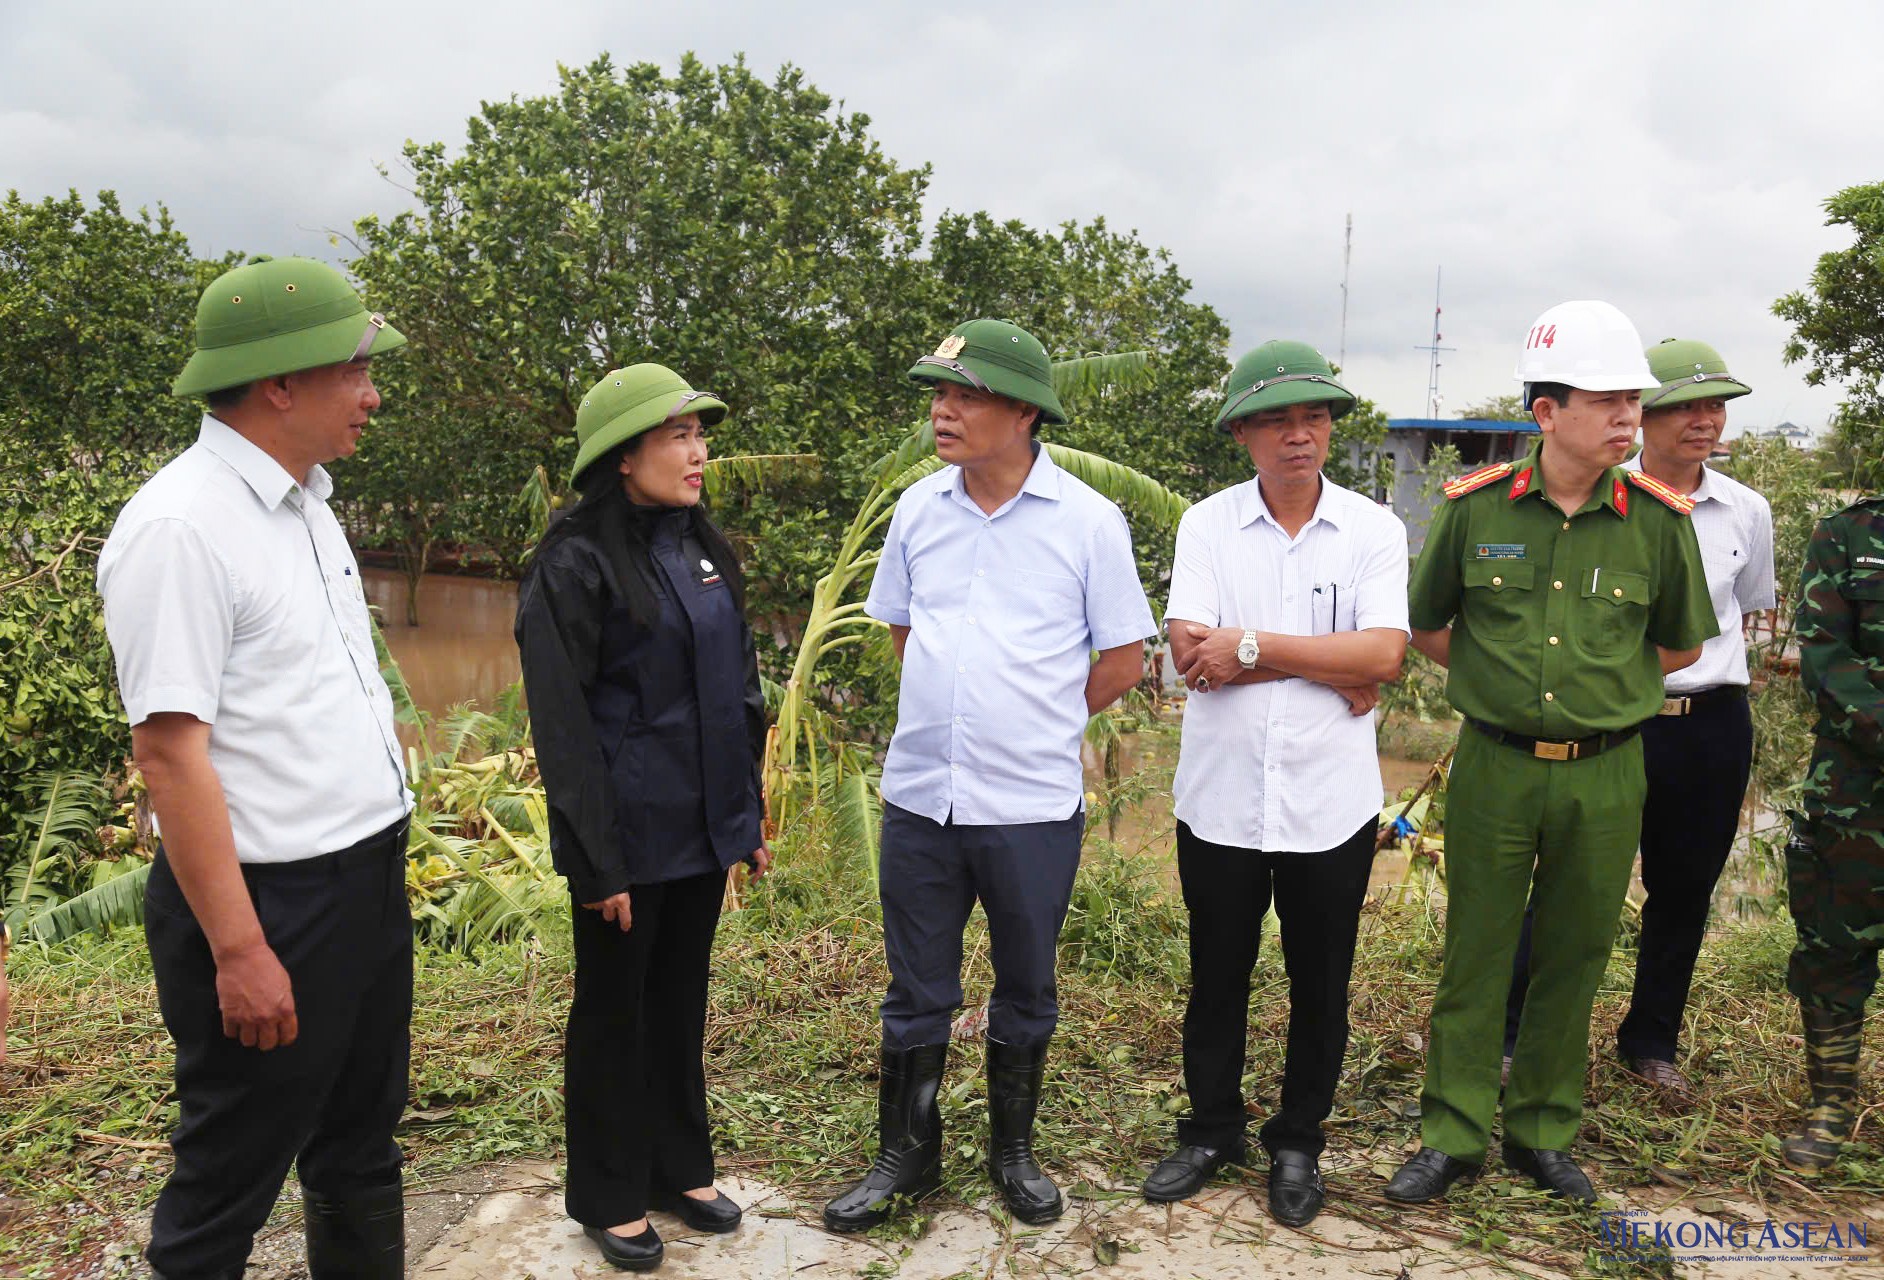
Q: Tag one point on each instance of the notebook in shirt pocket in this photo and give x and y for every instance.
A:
(1613, 616)
(1497, 598)
(1050, 605)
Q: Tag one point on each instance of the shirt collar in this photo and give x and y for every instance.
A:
(1250, 506)
(268, 478)
(1528, 482)
(1043, 481)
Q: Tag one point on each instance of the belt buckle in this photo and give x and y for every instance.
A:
(1675, 706)
(1554, 750)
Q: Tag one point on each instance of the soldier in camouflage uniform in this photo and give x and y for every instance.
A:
(1835, 862)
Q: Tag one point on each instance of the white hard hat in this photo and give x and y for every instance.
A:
(1587, 345)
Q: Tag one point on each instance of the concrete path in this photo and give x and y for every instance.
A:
(522, 1234)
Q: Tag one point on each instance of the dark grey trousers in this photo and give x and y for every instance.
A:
(930, 876)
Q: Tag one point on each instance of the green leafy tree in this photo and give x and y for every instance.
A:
(747, 233)
(1838, 330)
(97, 309)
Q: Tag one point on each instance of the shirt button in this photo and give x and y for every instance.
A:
(1566, 524)
(1272, 768)
(955, 768)
(1557, 585)
(981, 573)
(1553, 639)
(1497, 581)
(961, 671)
(971, 619)
(1550, 697)
(1618, 593)
(1288, 599)
(958, 719)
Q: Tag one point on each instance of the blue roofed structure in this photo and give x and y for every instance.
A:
(1410, 444)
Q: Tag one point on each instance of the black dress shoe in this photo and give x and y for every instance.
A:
(1554, 1171)
(1295, 1192)
(720, 1214)
(1183, 1173)
(1427, 1175)
(629, 1253)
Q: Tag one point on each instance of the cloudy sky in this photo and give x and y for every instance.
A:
(1669, 157)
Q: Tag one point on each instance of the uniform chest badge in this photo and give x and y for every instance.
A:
(706, 566)
(1521, 485)
(1621, 496)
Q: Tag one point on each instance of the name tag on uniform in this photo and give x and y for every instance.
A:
(1501, 551)
(1875, 561)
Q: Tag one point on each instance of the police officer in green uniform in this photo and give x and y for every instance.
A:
(1835, 862)
(1547, 587)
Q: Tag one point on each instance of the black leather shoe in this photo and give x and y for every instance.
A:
(1427, 1176)
(629, 1253)
(1014, 1076)
(909, 1140)
(359, 1235)
(1183, 1173)
(720, 1214)
(1295, 1193)
(1554, 1171)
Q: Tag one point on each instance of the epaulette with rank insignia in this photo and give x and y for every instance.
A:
(1472, 481)
(1671, 498)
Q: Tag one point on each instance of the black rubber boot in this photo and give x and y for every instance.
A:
(357, 1236)
(1832, 1042)
(1014, 1076)
(909, 1140)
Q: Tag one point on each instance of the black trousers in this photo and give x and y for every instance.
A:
(326, 1103)
(634, 1082)
(929, 876)
(1697, 767)
(1318, 899)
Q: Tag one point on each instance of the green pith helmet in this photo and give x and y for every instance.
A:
(1278, 374)
(276, 316)
(1688, 370)
(627, 402)
(993, 355)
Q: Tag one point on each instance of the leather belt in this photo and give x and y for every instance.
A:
(1682, 704)
(1549, 749)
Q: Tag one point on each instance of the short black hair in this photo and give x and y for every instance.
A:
(227, 397)
(1558, 392)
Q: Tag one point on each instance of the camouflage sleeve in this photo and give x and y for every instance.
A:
(1436, 585)
(1847, 686)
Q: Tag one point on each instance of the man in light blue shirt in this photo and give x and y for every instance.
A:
(1000, 576)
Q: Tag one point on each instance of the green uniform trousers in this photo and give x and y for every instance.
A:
(1836, 876)
(1573, 824)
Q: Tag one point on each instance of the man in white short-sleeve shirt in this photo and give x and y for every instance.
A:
(1288, 607)
(1000, 576)
(1698, 753)
(275, 912)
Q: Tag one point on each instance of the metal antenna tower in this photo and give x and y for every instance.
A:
(1347, 255)
(1433, 348)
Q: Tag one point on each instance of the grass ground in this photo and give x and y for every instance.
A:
(792, 1057)
(85, 1104)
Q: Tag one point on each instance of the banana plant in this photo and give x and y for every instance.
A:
(792, 770)
(72, 806)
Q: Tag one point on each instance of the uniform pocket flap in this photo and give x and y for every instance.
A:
(1499, 575)
(1617, 586)
(1865, 586)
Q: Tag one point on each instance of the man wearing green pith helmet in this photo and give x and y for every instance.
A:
(1000, 576)
(275, 911)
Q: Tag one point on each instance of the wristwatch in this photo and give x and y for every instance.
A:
(1247, 651)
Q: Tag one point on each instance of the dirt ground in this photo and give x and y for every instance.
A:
(505, 1222)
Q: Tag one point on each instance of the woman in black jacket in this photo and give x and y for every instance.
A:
(649, 724)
